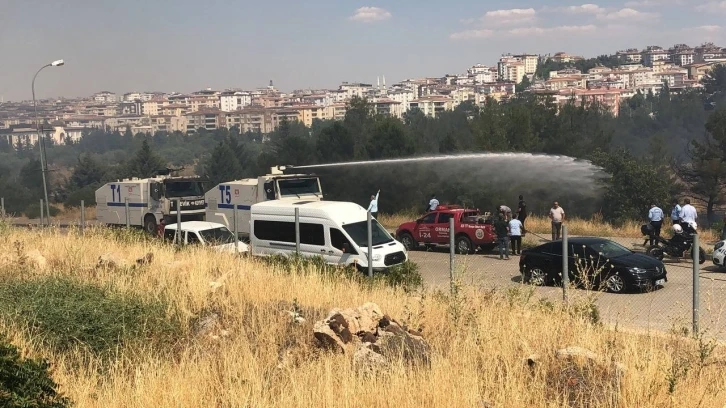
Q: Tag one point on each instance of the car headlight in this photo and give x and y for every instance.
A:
(719, 245)
(637, 270)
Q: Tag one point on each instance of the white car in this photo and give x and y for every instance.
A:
(210, 234)
(719, 253)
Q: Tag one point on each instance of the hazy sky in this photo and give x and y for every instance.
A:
(187, 45)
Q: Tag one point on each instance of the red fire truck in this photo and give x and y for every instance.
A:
(472, 229)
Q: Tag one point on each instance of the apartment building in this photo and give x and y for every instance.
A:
(432, 105)
(564, 58)
(653, 53)
(173, 109)
(511, 69)
(563, 82)
(530, 62)
(630, 56)
(234, 100)
(708, 52)
(698, 71)
(208, 119)
(105, 97)
(388, 107)
(284, 114)
(681, 54)
(607, 98)
(358, 89)
(153, 107)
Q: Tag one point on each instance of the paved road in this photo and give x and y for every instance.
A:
(663, 309)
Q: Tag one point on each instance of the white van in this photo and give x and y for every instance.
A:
(335, 230)
(210, 234)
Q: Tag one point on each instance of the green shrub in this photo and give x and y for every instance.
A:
(26, 383)
(405, 275)
(67, 314)
(87, 194)
(33, 211)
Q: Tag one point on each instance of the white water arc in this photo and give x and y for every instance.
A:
(538, 170)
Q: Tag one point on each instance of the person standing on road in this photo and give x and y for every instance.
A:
(557, 215)
(433, 203)
(502, 230)
(522, 210)
(515, 231)
(373, 206)
(655, 216)
(676, 212)
(689, 214)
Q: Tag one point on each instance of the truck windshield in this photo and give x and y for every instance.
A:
(298, 186)
(217, 236)
(358, 231)
(178, 189)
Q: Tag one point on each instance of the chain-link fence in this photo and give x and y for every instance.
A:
(671, 287)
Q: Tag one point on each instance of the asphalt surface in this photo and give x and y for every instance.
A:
(665, 309)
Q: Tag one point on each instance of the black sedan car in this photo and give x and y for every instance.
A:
(594, 263)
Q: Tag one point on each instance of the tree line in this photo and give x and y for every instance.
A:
(658, 147)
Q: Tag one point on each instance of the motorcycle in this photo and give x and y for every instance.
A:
(675, 247)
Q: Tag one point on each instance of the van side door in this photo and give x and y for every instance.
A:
(343, 251)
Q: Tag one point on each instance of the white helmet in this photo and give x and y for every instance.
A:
(677, 229)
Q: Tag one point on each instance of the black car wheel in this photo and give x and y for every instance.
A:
(463, 245)
(656, 252)
(615, 284)
(408, 242)
(536, 276)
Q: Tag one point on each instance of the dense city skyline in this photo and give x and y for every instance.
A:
(178, 46)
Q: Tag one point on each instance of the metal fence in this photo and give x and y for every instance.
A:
(691, 300)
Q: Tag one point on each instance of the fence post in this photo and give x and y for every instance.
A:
(297, 231)
(2, 207)
(452, 252)
(128, 216)
(236, 233)
(178, 222)
(565, 265)
(83, 216)
(370, 244)
(40, 222)
(696, 249)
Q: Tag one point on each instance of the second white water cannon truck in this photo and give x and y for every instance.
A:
(240, 195)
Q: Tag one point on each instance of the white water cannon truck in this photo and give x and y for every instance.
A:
(223, 199)
(151, 200)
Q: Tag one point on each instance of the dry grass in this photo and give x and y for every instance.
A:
(576, 226)
(479, 340)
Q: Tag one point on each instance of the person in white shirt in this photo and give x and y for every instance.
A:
(433, 203)
(689, 214)
(515, 235)
(557, 215)
(373, 206)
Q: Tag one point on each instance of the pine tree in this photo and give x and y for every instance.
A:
(222, 165)
(145, 163)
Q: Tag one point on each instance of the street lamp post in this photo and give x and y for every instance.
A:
(41, 140)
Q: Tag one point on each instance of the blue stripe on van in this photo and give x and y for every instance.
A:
(135, 205)
(231, 207)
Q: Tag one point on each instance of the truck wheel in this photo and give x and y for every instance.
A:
(150, 224)
(408, 242)
(463, 245)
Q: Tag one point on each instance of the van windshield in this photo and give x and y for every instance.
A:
(217, 236)
(358, 231)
